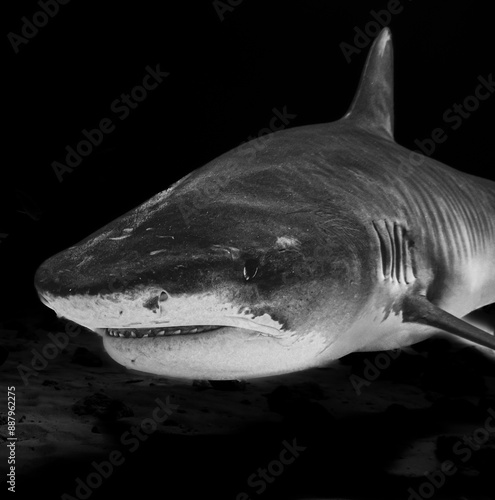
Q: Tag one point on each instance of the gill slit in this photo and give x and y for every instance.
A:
(396, 252)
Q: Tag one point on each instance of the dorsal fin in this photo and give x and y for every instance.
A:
(373, 104)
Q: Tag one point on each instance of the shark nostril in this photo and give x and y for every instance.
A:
(155, 301)
(250, 269)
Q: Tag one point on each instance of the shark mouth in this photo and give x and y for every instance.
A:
(116, 317)
(138, 333)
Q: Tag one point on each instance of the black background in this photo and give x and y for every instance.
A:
(226, 77)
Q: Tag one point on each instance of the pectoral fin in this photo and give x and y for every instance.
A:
(418, 309)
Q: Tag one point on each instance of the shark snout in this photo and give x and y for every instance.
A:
(49, 278)
(64, 274)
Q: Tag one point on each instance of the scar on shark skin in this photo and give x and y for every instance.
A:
(397, 256)
(287, 242)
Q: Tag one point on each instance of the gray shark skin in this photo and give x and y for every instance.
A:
(319, 244)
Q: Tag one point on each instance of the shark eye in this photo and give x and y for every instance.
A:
(250, 269)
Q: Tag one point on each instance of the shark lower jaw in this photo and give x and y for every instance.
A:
(215, 353)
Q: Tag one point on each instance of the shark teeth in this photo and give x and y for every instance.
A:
(158, 332)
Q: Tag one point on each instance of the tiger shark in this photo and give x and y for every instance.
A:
(324, 241)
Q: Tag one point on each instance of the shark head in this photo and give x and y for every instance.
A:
(218, 277)
(249, 266)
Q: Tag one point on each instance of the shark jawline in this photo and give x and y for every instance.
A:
(187, 328)
(179, 330)
(166, 331)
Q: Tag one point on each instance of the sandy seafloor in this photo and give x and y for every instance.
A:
(215, 439)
